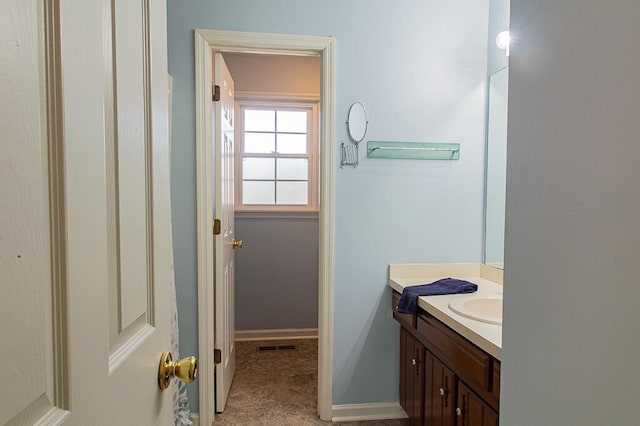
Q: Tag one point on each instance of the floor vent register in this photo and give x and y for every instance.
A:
(276, 348)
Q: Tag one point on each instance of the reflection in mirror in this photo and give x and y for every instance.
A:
(357, 122)
(496, 168)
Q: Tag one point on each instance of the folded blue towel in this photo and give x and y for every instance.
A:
(408, 303)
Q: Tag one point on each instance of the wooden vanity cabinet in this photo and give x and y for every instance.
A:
(445, 380)
(412, 376)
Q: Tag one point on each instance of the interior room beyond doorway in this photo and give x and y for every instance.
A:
(277, 269)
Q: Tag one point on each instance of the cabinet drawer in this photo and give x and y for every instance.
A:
(407, 320)
(469, 362)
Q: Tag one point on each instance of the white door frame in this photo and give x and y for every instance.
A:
(207, 41)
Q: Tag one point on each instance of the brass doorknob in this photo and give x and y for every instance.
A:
(186, 369)
(237, 244)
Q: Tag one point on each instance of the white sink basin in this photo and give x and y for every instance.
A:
(480, 308)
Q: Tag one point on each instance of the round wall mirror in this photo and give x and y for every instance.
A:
(357, 122)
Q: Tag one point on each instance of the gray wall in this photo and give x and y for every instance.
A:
(572, 278)
(277, 274)
(420, 68)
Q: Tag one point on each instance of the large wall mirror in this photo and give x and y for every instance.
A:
(496, 168)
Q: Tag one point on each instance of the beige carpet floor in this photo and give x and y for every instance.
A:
(278, 387)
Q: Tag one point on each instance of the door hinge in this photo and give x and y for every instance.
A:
(217, 356)
(215, 93)
(216, 226)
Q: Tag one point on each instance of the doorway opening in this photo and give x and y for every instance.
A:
(275, 272)
(232, 43)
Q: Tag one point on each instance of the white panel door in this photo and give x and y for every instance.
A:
(223, 140)
(27, 393)
(84, 249)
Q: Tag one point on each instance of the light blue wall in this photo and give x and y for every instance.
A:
(277, 274)
(420, 68)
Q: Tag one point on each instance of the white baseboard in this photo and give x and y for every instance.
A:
(372, 411)
(195, 418)
(277, 334)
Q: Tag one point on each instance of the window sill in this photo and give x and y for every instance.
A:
(308, 214)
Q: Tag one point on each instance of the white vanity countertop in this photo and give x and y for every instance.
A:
(489, 280)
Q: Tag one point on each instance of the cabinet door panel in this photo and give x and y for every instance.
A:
(417, 362)
(439, 401)
(411, 376)
(472, 411)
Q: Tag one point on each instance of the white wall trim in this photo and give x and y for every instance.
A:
(276, 334)
(244, 42)
(372, 411)
(195, 418)
(204, 228)
(310, 215)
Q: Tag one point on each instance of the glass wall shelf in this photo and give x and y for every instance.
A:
(413, 150)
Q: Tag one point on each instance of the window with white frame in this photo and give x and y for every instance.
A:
(276, 157)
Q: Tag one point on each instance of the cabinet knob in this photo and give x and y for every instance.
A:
(458, 411)
(441, 391)
(413, 361)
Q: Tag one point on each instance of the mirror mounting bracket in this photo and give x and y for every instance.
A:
(357, 125)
